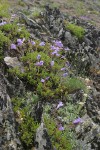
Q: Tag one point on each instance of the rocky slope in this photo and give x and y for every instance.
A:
(48, 25)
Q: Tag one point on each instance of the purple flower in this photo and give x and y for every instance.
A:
(59, 44)
(20, 41)
(65, 74)
(61, 128)
(13, 46)
(42, 80)
(60, 105)
(77, 121)
(47, 78)
(39, 63)
(62, 69)
(52, 63)
(42, 44)
(33, 43)
(38, 57)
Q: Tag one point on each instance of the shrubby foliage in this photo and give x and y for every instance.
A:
(4, 44)
(47, 73)
(78, 31)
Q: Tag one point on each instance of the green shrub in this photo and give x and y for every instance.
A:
(56, 86)
(72, 84)
(14, 32)
(34, 74)
(4, 43)
(78, 31)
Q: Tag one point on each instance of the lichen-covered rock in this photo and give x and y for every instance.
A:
(42, 140)
(8, 137)
(88, 134)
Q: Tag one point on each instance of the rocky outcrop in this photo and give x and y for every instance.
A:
(88, 134)
(8, 137)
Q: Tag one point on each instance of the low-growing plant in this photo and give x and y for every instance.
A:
(36, 13)
(47, 73)
(14, 32)
(73, 84)
(78, 31)
(59, 139)
(26, 124)
(4, 44)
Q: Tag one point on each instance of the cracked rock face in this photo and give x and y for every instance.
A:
(8, 137)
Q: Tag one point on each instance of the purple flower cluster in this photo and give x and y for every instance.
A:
(56, 47)
(58, 44)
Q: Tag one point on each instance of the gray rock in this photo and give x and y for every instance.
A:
(42, 141)
(8, 134)
(13, 62)
(88, 133)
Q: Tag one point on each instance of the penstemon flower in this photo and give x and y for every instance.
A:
(13, 46)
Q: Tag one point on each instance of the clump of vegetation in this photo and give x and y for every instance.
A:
(13, 31)
(27, 125)
(36, 13)
(46, 72)
(21, 3)
(4, 44)
(73, 84)
(78, 31)
(4, 8)
(60, 139)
